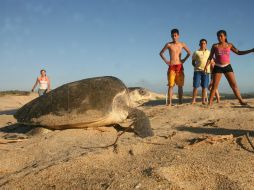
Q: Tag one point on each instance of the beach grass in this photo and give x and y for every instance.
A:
(14, 92)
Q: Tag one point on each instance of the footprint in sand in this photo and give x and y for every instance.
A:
(211, 123)
(196, 177)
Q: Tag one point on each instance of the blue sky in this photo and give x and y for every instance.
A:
(76, 39)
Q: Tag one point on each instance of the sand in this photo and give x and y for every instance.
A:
(188, 150)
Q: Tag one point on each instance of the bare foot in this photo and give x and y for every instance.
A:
(209, 106)
(243, 103)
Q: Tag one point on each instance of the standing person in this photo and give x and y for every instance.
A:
(175, 71)
(44, 83)
(217, 94)
(200, 77)
(221, 51)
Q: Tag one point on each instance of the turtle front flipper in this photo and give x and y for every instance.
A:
(141, 123)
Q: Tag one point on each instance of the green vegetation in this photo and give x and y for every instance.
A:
(14, 92)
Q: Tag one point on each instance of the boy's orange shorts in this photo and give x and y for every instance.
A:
(175, 75)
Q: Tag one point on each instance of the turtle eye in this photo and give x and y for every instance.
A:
(142, 91)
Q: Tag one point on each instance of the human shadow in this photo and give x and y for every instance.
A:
(239, 141)
(216, 131)
(163, 102)
(198, 100)
(243, 106)
(239, 133)
(154, 103)
(232, 96)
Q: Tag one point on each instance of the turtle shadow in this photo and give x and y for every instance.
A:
(17, 128)
(8, 112)
(120, 128)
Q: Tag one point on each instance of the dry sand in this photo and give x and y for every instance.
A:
(179, 156)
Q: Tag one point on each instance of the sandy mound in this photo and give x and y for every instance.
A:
(12, 102)
(196, 177)
(36, 158)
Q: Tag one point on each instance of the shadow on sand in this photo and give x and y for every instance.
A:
(216, 131)
(17, 128)
(8, 112)
(163, 102)
(222, 131)
(198, 100)
(232, 96)
(243, 106)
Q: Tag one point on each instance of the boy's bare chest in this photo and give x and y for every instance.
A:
(175, 48)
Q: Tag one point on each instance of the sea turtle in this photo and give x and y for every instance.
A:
(91, 102)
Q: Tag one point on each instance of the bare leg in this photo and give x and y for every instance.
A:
(215, 85)
(217, 94)
(194, 95)
(204, 95)
(170, 93)
(180, 94)
(232, 82)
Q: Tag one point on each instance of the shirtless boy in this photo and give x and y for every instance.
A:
(175, 71)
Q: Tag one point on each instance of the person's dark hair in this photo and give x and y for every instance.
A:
(222, 32)
(174, 31)
(203, 40)
(43, 70)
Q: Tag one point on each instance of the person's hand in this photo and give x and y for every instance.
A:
(205, 69)
(32, 90)
(210, 86)
(47, 90)
(168, 63)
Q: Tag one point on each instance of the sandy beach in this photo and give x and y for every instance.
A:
(194, 148)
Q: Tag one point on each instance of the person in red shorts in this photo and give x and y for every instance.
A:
(175, 71)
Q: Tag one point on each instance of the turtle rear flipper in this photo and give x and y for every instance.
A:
(141, 123)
